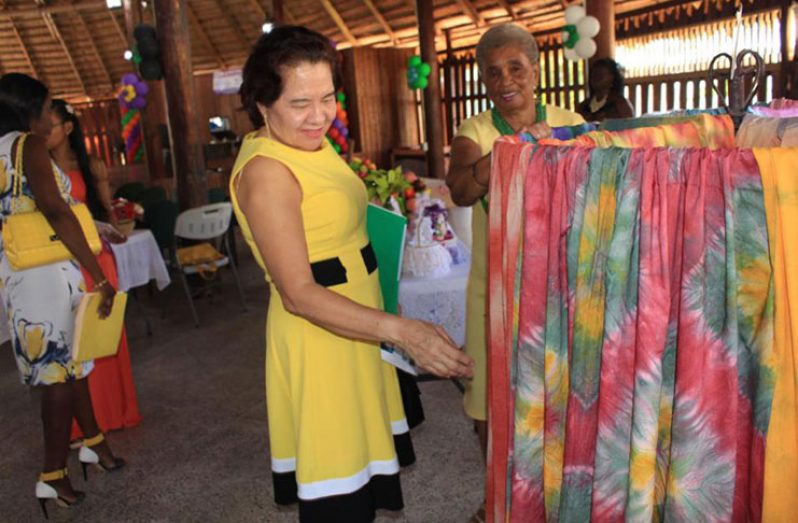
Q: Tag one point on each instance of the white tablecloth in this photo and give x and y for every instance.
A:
(438, 300)
(139, 260)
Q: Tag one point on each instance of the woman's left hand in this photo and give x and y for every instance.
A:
(111, 233)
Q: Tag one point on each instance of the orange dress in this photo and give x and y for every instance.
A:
(113, 393)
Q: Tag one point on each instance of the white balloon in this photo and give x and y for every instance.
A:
(571, 55)
(565, 36)
(585, 47)
(588, 27)
(574, 13)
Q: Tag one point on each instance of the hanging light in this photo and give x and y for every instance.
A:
(113, 4)
(267, 27)
(128, 55)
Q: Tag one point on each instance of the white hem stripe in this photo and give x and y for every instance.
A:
(399, 427)
(338, 486)
(283, 465)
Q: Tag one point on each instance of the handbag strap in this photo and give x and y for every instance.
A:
(16, 185)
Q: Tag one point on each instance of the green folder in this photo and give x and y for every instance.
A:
(386, 231)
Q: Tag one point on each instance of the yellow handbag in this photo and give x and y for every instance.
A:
(201, 256)
(28, 239)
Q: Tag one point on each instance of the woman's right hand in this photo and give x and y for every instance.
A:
(107, 292)
(433, 350)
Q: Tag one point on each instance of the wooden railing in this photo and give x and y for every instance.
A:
(102, 130)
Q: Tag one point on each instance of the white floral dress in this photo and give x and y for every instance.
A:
(40, 302)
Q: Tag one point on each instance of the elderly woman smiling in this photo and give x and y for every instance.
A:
(508, 61)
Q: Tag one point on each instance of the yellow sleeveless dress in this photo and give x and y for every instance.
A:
(335, 411)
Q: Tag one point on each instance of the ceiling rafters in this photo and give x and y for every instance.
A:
(47, 17)
(338, 21)
(381, 19)
(472, 12)
(507, 7)
(192, 17)
(95, 50)
(231, 21)
(70, 60)
(36, 12)
(20, 42)
(119, 30)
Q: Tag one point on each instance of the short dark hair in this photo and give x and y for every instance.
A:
(283, 46)
(24, 97)
(615, 70)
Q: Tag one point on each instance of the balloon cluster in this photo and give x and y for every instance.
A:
(578, 33)
(132, 99)
(339, 130)
(417, 73)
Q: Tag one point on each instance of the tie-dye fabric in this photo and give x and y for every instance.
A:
(631, 335)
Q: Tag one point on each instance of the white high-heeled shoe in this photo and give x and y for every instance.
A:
(45, 491)
(89, 457)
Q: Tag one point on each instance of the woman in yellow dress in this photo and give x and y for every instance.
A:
(509, 66)
(334, 406)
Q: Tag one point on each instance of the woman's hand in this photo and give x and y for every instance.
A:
(107, 292)
(433, 350)
(538, 130)
(110, 232)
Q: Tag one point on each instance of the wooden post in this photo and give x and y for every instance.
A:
(133, 17)
(188, 164)
(276, 12)
(432, 94)
(604, 11)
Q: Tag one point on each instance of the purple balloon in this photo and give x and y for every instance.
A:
(345, 132)
(141, 88)
(130, 79)
(137, 103)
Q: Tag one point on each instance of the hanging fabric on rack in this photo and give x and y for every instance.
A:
(631, 334)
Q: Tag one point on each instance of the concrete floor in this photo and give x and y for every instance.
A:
(201, 453)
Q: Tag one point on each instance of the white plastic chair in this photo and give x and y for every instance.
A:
(208, 223)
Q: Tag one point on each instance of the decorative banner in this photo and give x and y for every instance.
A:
(578, 33)
(339, 130)
(417, 73)
(131, 96)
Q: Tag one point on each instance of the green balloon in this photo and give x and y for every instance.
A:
(422, 83)
(343, 105)
(341, 97)
(424, 69)
(337, 148)
(414, 61)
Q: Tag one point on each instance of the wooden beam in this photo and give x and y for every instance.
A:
(381, 19)
(194, 21)
(231, 21)
(119, 30)
(432, 94)
(95, 50)
(36, 12)
(338, 21)
(70, 60)
(507, 7)
(472, 12)
(134, 15)
(33, 70)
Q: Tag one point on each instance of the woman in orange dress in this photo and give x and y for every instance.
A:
(113, 393)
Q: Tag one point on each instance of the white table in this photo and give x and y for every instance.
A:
(438, 300)
(139, 260)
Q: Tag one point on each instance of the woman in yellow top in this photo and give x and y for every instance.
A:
(333, 404)
(508, 61)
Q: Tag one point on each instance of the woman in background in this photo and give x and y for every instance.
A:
(111, 384)
(606, 93)
(41, 301)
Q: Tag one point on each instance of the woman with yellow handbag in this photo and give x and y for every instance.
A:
(41, 295)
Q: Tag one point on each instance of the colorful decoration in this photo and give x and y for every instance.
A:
(390, 188)
(417, 73)
(131, 96)
(578, 33)
(338, 134)
(126, 211)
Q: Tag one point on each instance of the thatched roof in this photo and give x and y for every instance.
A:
(77, 46)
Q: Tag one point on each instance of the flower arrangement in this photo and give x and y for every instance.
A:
(126, 213)
(391, 187)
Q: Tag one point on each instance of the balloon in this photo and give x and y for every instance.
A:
(574, 13)
(570, 36)
(424, 69)
(570, 54)
(337, 148)
(422, 83)
(333, 132)
(588, 27)
(414, 61)
(341, 96)
(345, 132)
(129, 78)
(585, 47)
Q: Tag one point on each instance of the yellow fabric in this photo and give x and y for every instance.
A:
(54, 475)
(96, 440)
(202, 256)
(480, 130)
(780, 185)
(331, 400)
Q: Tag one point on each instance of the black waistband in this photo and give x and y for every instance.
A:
(331, 271)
